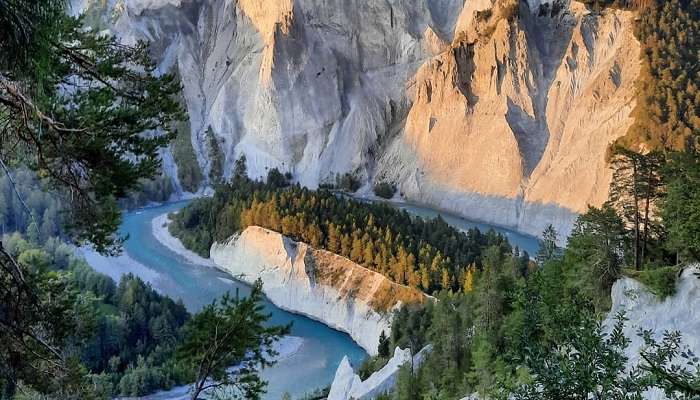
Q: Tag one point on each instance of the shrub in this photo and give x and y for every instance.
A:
(347, 182)
(278, 180)
(371, 365)
(385, 190)
(661, 281)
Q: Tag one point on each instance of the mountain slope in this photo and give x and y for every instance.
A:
(497, 109)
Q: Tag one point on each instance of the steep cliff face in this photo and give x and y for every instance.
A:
(347, 385)
(511, 125)
(500, 110)
(645, 311)
(316, 283)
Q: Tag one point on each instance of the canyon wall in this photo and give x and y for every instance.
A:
(499, 110)
(315, 283)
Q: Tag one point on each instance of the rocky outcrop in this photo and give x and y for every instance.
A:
(499, 110)
(511, 126)
(680, 312)
(645, 310)
(347, 385)
(315, 283)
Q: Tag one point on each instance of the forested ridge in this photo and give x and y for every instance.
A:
(667, 111)
(425, 254)
(540, 335)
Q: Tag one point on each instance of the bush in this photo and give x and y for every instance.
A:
(278, 180)
(385, 190)
(371, 365)
(347, 182)
(661, 281)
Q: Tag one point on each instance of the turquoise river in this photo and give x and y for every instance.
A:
(316, 350)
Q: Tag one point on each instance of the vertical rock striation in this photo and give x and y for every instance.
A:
(500, 110)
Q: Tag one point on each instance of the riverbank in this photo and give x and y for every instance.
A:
(286, 348)
(159, 227)
(350, 305)
(196, 286)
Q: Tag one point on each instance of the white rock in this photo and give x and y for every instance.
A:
(680, 312)
(347, 385)
(315, 283)
(502, 122)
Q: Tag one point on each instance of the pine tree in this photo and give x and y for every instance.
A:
(357, 249)
(333, 241)
(230, 331)
(548, 250)
(468, 284)
(445, 279)
(346, 245)
(383, 349)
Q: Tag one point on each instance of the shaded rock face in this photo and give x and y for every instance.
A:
(316, 283)
(645, 311)
(498, 110)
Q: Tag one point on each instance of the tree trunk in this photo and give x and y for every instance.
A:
(647, 202)
(637, 260)
(197, 389)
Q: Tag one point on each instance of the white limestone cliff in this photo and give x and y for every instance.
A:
(680, 312)
(497, 113)
(315, 283)
(347, 385)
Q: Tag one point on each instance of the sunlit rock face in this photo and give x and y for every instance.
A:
(498, 110)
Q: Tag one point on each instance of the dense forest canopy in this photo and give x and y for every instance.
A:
(667, 113)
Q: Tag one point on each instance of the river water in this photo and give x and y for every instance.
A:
(303, 367)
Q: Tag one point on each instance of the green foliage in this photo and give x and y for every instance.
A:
(659, 280)
(188, 170)
(117, 332)
(635, 190)
(347, 182)
(565, 352)
(599, 5)
(371, 365)
(594, 254)
(383, 349)
(666, 114)
(21, 29)
(216, 157)
(157, 190)
(670, 365)
(385, 190)
(548, 251)
(681, 206)
(45, 208)
(426, 254)
(77, 107)
(278, 180)
(230, 331)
